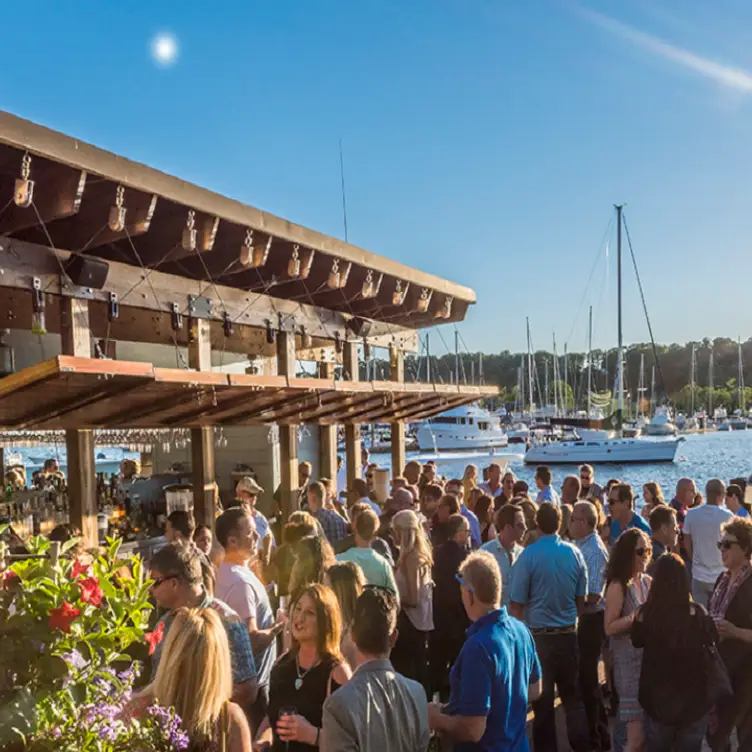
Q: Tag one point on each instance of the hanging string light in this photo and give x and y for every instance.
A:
(189, 232)
(293, 267)
(424, 300)
(446, 309)
(398, 297)
(371, 288)
(24, 191)
(335, 277)
(116, 220)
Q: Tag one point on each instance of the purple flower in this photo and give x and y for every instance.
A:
(75, 660)
(179, 740)
(108, 733)
(57, 732)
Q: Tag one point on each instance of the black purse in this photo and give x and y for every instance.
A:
(718, 682)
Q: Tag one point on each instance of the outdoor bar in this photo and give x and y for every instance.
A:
(144, 311)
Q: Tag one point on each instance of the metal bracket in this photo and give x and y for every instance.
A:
(38, 295)
(271, 335)
(177, 317)
(199, 307)
(113, 307)
(227, 324)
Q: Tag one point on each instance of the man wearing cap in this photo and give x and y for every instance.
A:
(246, 494)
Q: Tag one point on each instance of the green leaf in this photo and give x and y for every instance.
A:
(68, 545)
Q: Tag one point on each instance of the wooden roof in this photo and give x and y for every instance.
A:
(80, 393)
(76, 185)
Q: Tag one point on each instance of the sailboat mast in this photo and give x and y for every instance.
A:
(620, 349)
(565, 390)
(741, 379)
(692, 380)
(710, 383)
(428, 359)
(590, 360)
(530, 369)
(546, 392)
(481, 380)
(652, 391)
(456, 357)
(640, 385)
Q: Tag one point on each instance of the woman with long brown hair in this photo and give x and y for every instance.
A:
(652, 496)
(674, 634)
(305, 675)
(195, 678)
(347, 581)
(415, 584)
(626, 590)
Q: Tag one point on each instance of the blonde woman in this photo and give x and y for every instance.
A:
(470, 479)
(347, 581)
(195, 678)
(415, 585)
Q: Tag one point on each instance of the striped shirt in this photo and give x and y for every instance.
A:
(595, 553)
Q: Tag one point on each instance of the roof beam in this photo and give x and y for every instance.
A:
(55, 197)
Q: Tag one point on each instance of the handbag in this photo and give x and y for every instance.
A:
(719, 687)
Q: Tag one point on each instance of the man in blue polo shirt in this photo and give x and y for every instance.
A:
(549, 585)
(497, 671)
(623, 515)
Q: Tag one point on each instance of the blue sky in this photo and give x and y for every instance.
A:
(485, 141)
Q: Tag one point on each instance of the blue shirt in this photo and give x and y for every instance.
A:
(333, 525)
(595, 553)
(502, 557)
(548, 494)
(742, 512)
(472, 520)
(636, 521)
(547, 578)
(490, 678)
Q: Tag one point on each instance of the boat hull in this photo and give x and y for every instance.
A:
(438, 441)
(611, 451)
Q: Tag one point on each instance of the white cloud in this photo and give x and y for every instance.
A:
(730, 77)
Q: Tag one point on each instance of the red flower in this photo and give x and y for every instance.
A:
(155, 637)
(91, 592)
(62, 618)
(9, 578)
(79, 570)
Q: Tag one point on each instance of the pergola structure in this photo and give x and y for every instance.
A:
(100, 249)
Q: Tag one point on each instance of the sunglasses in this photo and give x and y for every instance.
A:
(641, 552)
(160, 580)
(725, 545)
(462, 582)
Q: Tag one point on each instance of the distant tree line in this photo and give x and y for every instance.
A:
(672, 373)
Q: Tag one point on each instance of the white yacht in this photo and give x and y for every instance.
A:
(590, 444)
(661, 423)
(518, 433)
(469, 427)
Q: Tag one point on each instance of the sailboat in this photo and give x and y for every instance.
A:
(739, 420)
(612, 448)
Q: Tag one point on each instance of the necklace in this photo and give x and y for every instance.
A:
(299, 680)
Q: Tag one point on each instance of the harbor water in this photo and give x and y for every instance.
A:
(720, 454)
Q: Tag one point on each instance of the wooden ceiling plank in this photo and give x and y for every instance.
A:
(55, 197)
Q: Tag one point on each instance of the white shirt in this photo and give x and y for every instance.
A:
(487, 490)
(704, 525)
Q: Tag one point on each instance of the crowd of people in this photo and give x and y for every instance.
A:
(455, 611)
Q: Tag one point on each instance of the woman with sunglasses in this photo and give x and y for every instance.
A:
(626, 590)
(674, 633)
(731, 610)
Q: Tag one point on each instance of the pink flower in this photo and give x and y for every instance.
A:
(91, 592)
(9, 578)
(61, 618)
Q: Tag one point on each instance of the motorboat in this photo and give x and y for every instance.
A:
(614, 451)
(661, 423)
(463, 428)
(518, 433)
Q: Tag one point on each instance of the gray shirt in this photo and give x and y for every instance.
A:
(377, 710)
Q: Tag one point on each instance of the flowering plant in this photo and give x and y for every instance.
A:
(65, 627)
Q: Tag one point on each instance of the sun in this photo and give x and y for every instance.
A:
(164, 49)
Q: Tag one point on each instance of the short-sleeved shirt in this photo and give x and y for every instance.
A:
(636, 521)
(502, 557)
(262, 527)
(241, 655)
(547, 494)
(487, 490)
(595, 553)
(472, 521)
(546, 579)
(243, 592)
(742, 512)
(376, 568)
(703, 523)
(333, 525)
(490, 678)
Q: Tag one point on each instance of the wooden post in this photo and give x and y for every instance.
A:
(79, 445)
(328, 439)
(397, 373)
(202, 439)
(352, 430)
(288, 434)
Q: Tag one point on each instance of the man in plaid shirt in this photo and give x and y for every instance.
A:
(334, 526)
